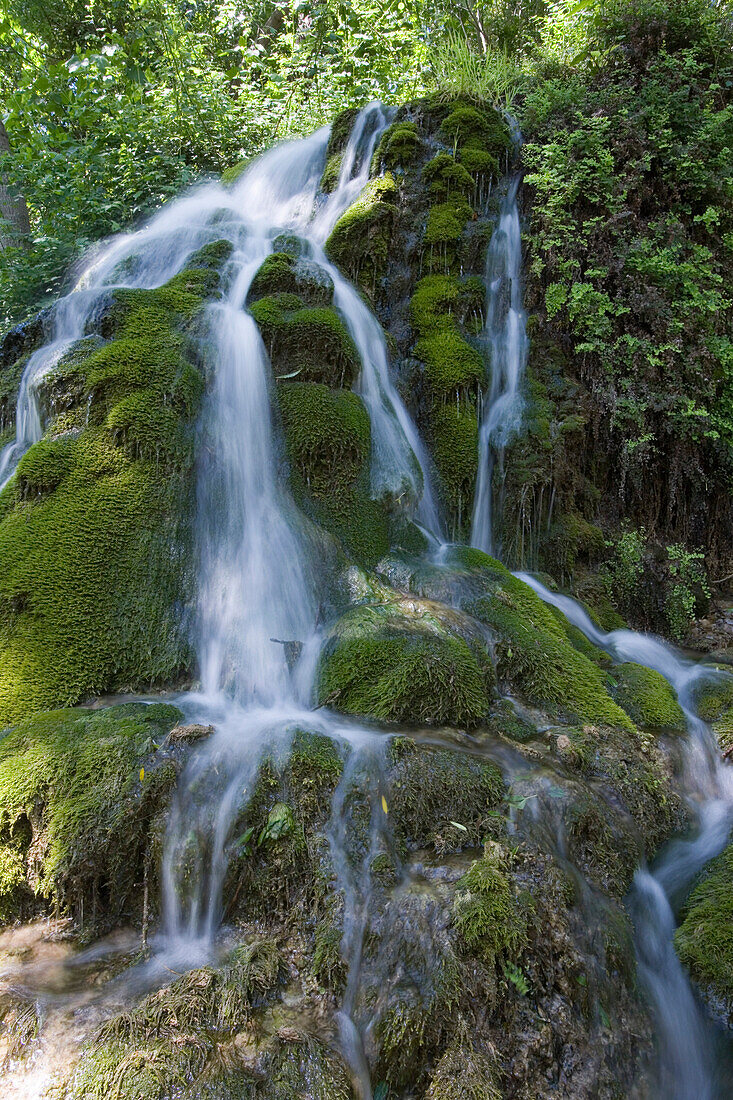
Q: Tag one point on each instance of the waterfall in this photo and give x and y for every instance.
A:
(257, 586)
(506, 333)
(687, 1062)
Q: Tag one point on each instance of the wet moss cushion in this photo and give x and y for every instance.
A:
(94, 528)
(386, 666)
(704, 939)
(74, 806)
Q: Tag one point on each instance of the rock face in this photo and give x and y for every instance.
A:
(456, 873)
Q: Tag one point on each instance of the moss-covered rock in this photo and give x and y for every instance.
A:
(402, 667)
(454, 369)
(310, 342)
(489, 920)
(646, 697)
(397, 146)
(703, 939)
(445, 176)
(455, 453)
(359, 241)
(714, 702)
(96, 524)
(76, 810)
(236, 1046)
(465, 1073)
(331, 173)
(341, 128)
(469, 127)
(446, 222)
(285, 273)
(328, 443)
(441, 799)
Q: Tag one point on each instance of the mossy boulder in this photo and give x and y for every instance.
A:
(533, 651)
(397, 147)
(454, 369)
(285, 273)
(446, 222)
(713, 697)
(440, 798)
(402, 665)
(470, 127)
(488, 917)
(703, 940)
(328, 444)
(311, 343)
(359, 241)
(445, 176)
(77, 814)
(95, 531)
(646, 697)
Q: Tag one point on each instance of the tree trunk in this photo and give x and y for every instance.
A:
(14, 221)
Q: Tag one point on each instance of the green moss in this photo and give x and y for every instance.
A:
(443, 302)
(341, 128)
(470, 128)
(231, 175)
(275, 276)
(479, 162)
(434, 304)
(535, 655)
(13, 882)
(359, 242)
(331, 173)
(94, 567)
(285, 273)
(137, 1054)
(70, 787)
(328, 443)
(445, 177)
(312, 342)
(452, 366)
(703, 939)
(45, 466)
(455, 453)
(464, 1073)
(602, 844)
(446, 222)
(397, 147)
(211, 256)
(646, 697)
(432, 789)
(714, 696)
(383, 667)
(486, 913)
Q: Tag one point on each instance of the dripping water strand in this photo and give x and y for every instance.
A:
(506, 334)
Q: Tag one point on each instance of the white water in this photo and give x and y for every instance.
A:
(257, 584)
(687, 1062)
(506, 330)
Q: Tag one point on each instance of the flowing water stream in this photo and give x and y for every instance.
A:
(506, 332)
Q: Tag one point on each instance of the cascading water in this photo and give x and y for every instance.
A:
(687, 1062)
(256, 588)
(506, 332)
